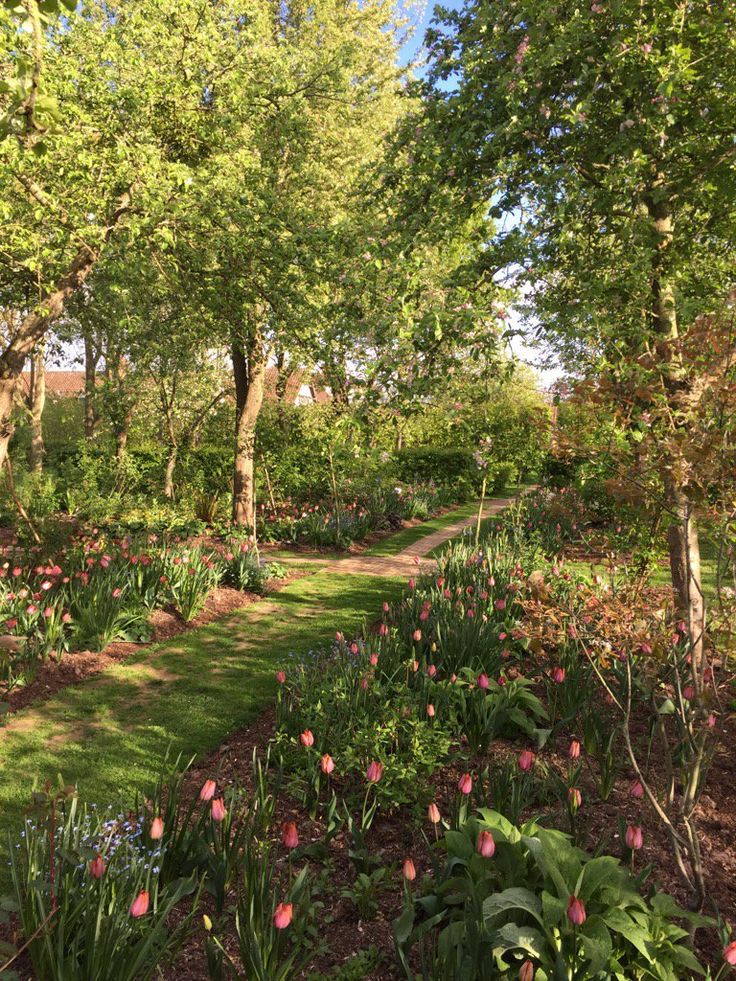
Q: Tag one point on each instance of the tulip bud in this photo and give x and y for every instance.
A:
(219, 811)
(483, 681)
(634, 837)
(410, 873)
(281, 677)
(327, 764)
(526, 760)
(485, 845)
(157, 829)
(374, 772)
(574, 750)
(465, 783)
(575, 798)
(208, 790)
(307, 738)
(576, 911)
(558, 675)
(433, 813)
(729, 953)
(140, 905)
(526, 971)
(97, 867)
(289, 835)
(430, 711)
(636, 790)
(282, 915)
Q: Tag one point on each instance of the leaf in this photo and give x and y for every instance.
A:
(512, 899)
(514, 937)
(597, 943)
(553, 908)
(599, 871)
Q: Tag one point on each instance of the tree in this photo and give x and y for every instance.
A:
(121, 149)
(602, 138)
(251, 242)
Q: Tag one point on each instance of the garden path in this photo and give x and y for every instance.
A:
(109, 733)
(409, 558)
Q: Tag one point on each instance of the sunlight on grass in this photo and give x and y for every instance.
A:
(110, 733)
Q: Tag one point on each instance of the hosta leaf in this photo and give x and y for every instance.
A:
(513, 899)
(596, 942)
(513, 937)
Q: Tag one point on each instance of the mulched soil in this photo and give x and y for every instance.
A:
(74, 667)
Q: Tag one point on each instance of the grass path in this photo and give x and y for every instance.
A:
(109, 733)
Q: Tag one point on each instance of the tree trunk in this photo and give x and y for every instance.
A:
(684, 554)
(249, 372)
(121, 442)
(169, 475)
(36, 402)
(90, 374)
(7, 396)
(682, 537)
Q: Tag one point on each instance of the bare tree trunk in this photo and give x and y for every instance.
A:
(121, 442)
(90, 374)
(36, 403)
(249, 371)
(8, 384)
(37, 322)
(682, 538)
(169, 475)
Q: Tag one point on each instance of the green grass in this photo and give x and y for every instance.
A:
(393, 544)
(109, 734)
(486, 523)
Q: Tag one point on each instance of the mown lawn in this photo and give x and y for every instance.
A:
(109, 734)
(393, 544)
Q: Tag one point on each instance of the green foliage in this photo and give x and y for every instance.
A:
(79, 924)
(482, 918)
(443, 465)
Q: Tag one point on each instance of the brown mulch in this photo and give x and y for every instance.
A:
(74, 667)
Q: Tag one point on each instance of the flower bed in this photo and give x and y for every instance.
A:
(458, 769)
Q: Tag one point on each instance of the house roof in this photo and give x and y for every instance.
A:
(62, 384)
(301, 387)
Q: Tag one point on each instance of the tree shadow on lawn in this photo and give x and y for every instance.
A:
(109, 734)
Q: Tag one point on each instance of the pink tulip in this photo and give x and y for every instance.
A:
(307, 738)
(327, 764)
(483, 681)
(526, 760)
(576, 911)
(281, 677)
(574, 750)
(409, 872)
(432, 670)
(433, 813)
(465, 784)
(282, 915)
(636, 790)
(430, 711)
(500, 604)
(374, 772)
(157, 829)
(729, 953)
(208, 790)
(558, 675)
(140, 905)
(219, 811)
(289, 835)
(485, 845)
(526, 971)
(417, 635)
(634, 837)
(97, 867)
(575, 798)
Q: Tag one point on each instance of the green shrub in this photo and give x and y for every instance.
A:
(443, 465)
